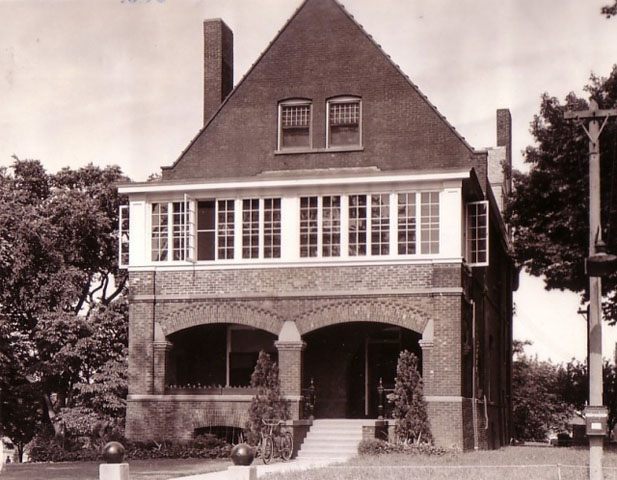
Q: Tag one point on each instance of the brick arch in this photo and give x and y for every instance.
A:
(229, 415)
(228, 312)
(363, 311)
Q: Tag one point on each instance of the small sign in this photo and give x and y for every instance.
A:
(596, 419)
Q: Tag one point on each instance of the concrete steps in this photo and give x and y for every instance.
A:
(332, 438)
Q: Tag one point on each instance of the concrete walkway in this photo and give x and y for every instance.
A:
(262, 469)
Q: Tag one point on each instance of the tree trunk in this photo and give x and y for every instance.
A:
(51, 414)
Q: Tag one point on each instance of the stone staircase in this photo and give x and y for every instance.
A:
(332, 438)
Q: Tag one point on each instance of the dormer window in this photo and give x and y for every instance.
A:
(294, 124)
(344, 122)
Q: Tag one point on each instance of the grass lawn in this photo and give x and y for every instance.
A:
(160, 469)
(510, 463)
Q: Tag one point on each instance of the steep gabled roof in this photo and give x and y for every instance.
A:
(303, 16)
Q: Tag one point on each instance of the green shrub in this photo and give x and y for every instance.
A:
(268, 403)
(412, 423)
(204, 446)
(381, 447)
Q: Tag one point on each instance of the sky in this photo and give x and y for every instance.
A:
(121, 82)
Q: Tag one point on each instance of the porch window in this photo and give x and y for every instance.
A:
(357, 225)
(477, 233)
(250, 228)
(272, 227)
(360, 241)
(225, 229)
(429, 222)
(331, 226)
(123, 236)
(406, 223)
(294, 124)
(261, 225)
(380, 224)
(169, 231)
(344, 116)
(308, 227)
(320, 226)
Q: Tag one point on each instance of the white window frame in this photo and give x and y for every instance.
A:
(124, 214)
(170, 230)
(294, 103)
(190, 255)
(421, 223)
(483, 231)
(344, 99)
(320, 226)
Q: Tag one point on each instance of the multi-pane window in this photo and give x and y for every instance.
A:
(359, 237)
(123, 236)
(477, 233)
(380, 224)
(406, 223)
(429, 222)
(320, 226)
(331, 226)
(250, 228)
(294, 125)
(160, 232)
(179, 227)
(357, 225)
(169, 231)
(309, 233)
(225, 229)
(272, 228)
(344, 116)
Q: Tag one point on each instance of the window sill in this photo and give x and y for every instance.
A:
(351, 148)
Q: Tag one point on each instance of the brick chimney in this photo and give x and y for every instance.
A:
(504, 132)
(218, 64)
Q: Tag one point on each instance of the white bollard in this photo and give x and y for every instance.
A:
(241, 472)
(114, 471)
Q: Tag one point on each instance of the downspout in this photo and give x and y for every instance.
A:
(474, 416)
(153, 330)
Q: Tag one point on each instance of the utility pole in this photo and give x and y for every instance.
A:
(595, 414)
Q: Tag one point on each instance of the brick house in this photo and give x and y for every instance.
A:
(328, 214)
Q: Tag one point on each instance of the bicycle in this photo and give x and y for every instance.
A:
(270, 444)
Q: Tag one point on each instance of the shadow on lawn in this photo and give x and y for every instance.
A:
(159, 469)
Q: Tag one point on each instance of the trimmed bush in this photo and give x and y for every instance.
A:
(203, 446)
(381, 447)
(268, 403)
(412, 425)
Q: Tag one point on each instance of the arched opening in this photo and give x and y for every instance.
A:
(216, 355)
(346, 362)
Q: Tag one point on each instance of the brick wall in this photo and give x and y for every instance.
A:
(177, 419)
(400, 129)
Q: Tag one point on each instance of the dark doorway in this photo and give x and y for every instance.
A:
(346, 362)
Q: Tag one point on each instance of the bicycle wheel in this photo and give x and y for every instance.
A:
(287, 446)
(268, 449)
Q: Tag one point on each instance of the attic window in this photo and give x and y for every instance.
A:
(344, 121)
(294, 125)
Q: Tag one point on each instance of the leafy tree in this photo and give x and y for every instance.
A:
(550, 203)
(412, 423)
(60, 322)
(538, 406)
(574, 387)
(268, 402)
